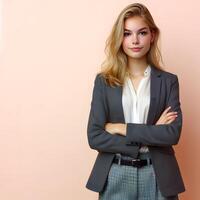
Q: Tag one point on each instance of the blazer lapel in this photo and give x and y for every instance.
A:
(155, 85)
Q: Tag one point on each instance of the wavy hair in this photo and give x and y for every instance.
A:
(114, 67)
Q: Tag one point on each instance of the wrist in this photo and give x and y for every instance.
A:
(122, 130)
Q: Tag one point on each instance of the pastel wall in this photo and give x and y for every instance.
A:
(51, 51)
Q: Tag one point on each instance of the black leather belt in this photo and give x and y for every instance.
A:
(135, 162)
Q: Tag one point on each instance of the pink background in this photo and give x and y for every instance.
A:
(51, 51)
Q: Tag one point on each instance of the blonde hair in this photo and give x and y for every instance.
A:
(114, 67)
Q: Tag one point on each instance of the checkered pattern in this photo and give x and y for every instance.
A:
(131, 183)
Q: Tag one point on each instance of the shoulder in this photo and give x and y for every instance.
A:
(100, 79)
(167, 76)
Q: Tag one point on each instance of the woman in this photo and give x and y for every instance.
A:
(135, 115)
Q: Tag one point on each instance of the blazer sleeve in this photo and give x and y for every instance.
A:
(98, 138)
(159, 135)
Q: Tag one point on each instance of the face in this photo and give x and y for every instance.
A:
(137, 38)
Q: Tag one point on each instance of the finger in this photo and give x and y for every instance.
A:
(171, 114)
(170, 119)
(167, 118)
(166, 110)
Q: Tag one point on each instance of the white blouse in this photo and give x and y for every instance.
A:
(136, 103)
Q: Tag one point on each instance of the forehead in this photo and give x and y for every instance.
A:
(135, 23)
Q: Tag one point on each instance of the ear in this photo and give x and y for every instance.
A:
(152, 36)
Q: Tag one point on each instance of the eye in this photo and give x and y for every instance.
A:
(126, 34)
(143, 32)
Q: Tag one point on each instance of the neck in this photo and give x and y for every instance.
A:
(137, 66)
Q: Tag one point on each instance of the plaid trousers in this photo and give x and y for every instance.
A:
(131, 183)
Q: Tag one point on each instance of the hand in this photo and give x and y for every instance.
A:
(111, 128)
(167, 118)
(116, 128)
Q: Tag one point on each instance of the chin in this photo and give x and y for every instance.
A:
(136, 56)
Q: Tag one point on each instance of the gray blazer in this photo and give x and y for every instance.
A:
(106, 106)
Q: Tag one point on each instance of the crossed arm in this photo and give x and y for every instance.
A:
(131, 133)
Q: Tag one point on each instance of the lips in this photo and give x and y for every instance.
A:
(136, 49)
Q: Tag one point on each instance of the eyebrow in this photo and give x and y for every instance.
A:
(138, 29)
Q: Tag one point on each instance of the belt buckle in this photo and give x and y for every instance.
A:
(134, 164)
(119, 157)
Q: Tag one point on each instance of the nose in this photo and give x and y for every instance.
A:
(135, 39)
